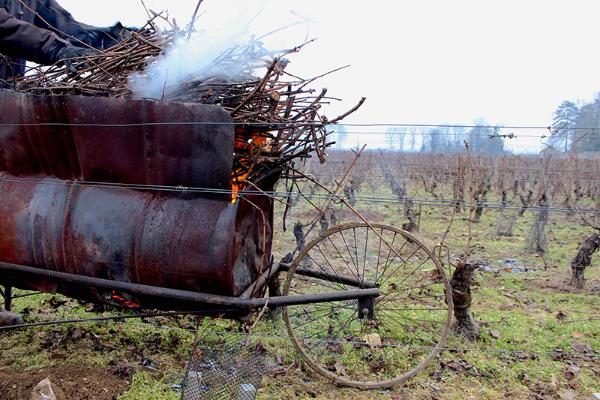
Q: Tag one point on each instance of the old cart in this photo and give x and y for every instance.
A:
(132, 203)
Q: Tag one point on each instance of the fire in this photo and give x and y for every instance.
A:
(237, 184)
(121, 299)
(245, 142)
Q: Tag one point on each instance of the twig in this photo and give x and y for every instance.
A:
(193, 21)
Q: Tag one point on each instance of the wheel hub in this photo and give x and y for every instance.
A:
(366, 308)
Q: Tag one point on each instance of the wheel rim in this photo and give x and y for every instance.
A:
(358, 343)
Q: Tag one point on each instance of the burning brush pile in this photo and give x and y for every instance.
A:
(278, 116)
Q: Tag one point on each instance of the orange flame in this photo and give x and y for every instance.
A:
(243, 143)
(237, 185)
(123, 301)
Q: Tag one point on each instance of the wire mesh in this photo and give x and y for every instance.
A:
(218, 370)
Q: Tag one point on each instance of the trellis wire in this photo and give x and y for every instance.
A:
(284, 195)
(286, 338)
(279, 124)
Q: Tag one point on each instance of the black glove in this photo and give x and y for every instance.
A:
(104, 38)
(73, 57)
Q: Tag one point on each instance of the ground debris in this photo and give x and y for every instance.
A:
(572, 371)
(54, 339)
(542, 390)
(567, 395)
(150, 365)
(495, 334)
(561, 315)
(44, 391)
(459, 366)
(123, 371)
(67, 383)
(586, 350)
(373, 340)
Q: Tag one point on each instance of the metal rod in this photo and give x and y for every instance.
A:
(105, 319)
(319, 297)
(185, 295)
(346, 280)
(8, 298)
(20, 296)
(257, 285)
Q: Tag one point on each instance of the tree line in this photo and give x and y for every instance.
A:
(576, 127)
(482, 139)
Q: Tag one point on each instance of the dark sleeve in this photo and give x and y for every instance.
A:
(52, 16)
(23, 40)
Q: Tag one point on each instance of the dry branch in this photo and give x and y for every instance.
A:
(277, 121)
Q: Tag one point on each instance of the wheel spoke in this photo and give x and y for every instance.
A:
(350, 254)
(397, 254)
(411, 316)
(339, 284)
(402, 266)
(378, 255)
(343, 259)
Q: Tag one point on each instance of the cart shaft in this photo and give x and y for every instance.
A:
(184, 295)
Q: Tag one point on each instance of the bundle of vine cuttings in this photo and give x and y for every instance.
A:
(277, 115)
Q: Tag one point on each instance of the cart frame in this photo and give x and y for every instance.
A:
(199, 297)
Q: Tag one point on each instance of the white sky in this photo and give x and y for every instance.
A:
(511, 62)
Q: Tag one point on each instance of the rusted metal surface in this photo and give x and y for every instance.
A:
(190, 241)
(187, 155)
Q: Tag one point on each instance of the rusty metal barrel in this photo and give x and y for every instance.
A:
(97, 187)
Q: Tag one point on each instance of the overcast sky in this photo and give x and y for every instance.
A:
(511, 62)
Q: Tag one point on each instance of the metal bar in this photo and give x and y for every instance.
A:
(8, 298)
(104, 319)
(257, 285)
(346, 280)
(320, 297)
(20, 296)
(185, 295)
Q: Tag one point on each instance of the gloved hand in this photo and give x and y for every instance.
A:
(104, 38)
(74, 56)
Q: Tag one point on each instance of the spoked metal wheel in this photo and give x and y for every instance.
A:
(372, 342)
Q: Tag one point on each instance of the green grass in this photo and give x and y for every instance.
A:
(145, 386)
(520, 308)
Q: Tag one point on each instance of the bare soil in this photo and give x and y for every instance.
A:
(562, 284)
(69, 381)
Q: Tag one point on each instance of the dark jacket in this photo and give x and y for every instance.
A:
(36, 30)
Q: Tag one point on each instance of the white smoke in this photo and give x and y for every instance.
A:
(190, 59)
(228, 24)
